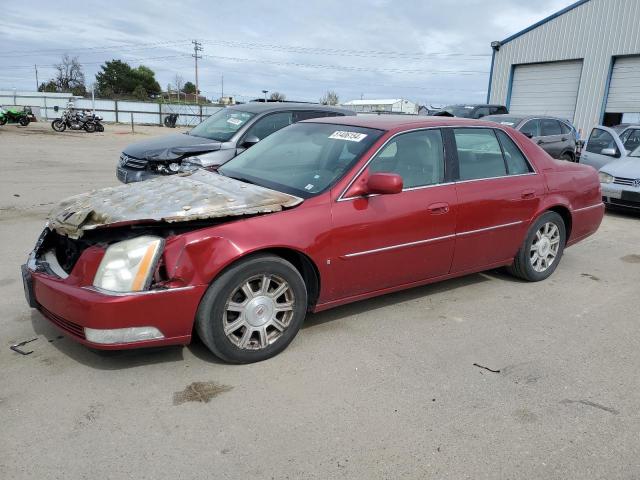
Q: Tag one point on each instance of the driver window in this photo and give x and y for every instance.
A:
(269, 124)
(599, 140)
(418, 157)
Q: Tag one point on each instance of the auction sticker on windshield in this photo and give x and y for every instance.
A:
(349, 136)
(234, 121)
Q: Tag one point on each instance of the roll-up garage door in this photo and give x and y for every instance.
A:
(546, 89)
(624, 88)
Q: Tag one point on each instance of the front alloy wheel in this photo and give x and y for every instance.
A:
(258, 312)
(253, 310)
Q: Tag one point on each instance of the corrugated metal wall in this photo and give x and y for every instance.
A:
(595, 31)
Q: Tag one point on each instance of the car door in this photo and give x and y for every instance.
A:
(383, 241)
(498, 193)
(551, 139)
(568, 139)
(531, 128)
(630, 139)
(602, 147)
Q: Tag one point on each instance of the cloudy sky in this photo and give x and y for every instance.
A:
(429, 51)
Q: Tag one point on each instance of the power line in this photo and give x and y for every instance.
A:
(97, 49)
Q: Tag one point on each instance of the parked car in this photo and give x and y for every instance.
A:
(319, 214)
(605, 145)
(216, 140)
(556, 136)
(620, 180)
(471, 110)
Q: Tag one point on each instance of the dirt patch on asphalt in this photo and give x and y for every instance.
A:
(634, 258)
(201, 392)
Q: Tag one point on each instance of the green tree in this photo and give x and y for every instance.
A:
(49, 86)
(118, 78)
(189, 88)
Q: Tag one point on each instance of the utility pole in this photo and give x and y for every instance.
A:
(197, 47)
(37, 83)
(222, 83)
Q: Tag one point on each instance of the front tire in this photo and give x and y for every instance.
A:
(542, 249)
(58, 125)
(253, 310)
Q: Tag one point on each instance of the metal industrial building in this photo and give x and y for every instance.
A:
(582, 63)
(392, 105)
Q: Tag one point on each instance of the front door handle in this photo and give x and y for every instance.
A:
(541, 142)
(528, 194)
(438, 208)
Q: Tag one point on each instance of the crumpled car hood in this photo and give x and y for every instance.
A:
(175, 198)
(171, 147)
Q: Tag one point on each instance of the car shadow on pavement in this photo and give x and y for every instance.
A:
(624, 213)
(402, 296)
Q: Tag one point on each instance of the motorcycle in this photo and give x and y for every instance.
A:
(73, 120)
(170, 120)
(14, 115)
(97, 121)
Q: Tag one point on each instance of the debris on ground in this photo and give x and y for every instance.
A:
(200, 392)
(486, 368)
(16, 347)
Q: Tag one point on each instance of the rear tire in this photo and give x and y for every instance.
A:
(99, 127)
(542, 249)
(3, 120)
(58, 125)
(567, 157)
(90, 127)
(24, 121)
(253, 310)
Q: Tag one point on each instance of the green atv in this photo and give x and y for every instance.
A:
(14, 115)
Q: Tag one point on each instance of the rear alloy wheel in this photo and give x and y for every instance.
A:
(253, 310)
(540, 254)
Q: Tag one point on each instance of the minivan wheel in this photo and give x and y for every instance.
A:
(253, 310)
(542, 249)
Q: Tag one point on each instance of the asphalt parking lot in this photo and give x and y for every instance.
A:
(384, 388)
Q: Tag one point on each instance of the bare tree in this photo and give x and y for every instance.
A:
(330, 98)
(278, 97)
(70, 77)
(178, 82)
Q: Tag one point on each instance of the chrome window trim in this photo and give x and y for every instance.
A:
(342, 198)
(587, 208)
(430, 240)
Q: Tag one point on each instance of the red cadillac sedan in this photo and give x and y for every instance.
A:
(319, 214)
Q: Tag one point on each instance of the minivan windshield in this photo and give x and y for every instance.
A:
(222, 125)
(302, 159)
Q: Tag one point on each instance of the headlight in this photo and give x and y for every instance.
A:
(605, 178)
(128, 266)
(190, 164)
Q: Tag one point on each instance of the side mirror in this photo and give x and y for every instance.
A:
(56, 108)
(528, 134)
(384, 183)
(609, 152)
(250, 141)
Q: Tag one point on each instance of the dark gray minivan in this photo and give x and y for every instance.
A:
(216, 140)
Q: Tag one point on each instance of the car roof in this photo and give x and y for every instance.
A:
(401, 122)
(262, 107)
(474, 105)
(521, 118)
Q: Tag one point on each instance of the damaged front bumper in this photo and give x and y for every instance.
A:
(107, 320)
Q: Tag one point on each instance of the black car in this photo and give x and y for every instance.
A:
(471, 110)
(216, 140)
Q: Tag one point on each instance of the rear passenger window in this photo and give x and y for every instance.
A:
(418, 157)
(550, 127)
(479, 153)
(516, 163)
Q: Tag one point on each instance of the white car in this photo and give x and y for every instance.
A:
(605, 145)
(620, 181)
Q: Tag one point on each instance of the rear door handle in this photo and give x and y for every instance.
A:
(438, 208)
(528, 194)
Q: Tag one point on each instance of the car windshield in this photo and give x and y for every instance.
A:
(222, 125)
(459, 110)
(507, 120)
(303, 159)
(635, 153)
